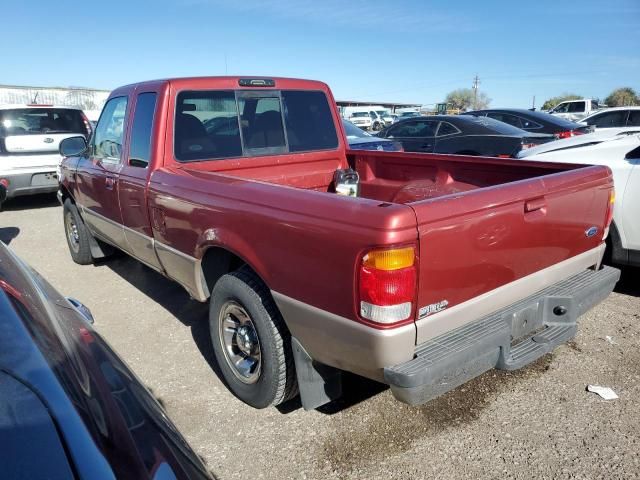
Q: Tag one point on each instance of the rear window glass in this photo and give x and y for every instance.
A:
(309, 122)
(261, 120)
(206, 126)
(38, 121)
(494, 126)
(225, 124)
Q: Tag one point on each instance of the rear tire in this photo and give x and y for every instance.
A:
(250, 340)
(77, 234)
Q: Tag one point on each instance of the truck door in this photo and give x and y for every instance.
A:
(98, 174)
(132, 186)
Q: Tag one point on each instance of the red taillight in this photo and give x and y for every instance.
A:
(4, 182)
(568, 134)
(384, 288)
(387, 286)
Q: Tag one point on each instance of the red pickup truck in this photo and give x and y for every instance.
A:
(431, 269)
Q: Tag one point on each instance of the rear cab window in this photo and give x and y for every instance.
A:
(213, 125)
(39, 121)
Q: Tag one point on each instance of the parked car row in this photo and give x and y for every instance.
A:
(462, 135)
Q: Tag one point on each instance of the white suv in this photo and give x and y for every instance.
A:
(29, 139)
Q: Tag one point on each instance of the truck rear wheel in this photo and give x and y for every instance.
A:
(250, 340)
(77, 234)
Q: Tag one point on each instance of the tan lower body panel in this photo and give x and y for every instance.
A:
(343, 343)
(349, 345)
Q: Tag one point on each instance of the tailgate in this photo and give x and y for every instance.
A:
(485, 249)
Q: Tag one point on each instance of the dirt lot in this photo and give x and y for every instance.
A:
(538, 422)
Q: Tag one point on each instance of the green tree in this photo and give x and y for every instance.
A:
(622, 97)
(553, 101)
(462, 99)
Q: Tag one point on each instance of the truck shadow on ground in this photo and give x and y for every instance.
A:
(172, 297)
(31, 202)
(629, 283)
(194, 315)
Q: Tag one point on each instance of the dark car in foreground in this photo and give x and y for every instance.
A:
(531, 121)
(360, 140)
(462, 135)
(69, 407)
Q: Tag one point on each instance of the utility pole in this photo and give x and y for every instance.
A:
(476, 82)
(533, 105)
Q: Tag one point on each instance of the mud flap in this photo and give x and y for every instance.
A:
(319, 384)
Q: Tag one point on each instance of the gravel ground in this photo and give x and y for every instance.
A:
(538, 422)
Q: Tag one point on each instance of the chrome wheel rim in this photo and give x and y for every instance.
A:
(240, 342)
(72, 232)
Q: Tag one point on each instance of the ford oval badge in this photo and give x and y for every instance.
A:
(590, 232)
(48, 140)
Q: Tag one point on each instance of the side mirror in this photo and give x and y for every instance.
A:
(72, 146)
(79, 307)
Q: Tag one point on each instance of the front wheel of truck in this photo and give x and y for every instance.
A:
(78, 237)
(250, 340)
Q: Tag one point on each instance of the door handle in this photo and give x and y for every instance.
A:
(109, 182)
(425, 145)
(534, 205)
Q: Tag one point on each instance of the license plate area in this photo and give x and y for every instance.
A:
(44, 179)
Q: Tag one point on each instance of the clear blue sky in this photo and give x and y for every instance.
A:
(409, 51)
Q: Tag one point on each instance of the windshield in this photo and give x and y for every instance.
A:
(360, 114)
(38, 121)
(382, 113)
(352, 131)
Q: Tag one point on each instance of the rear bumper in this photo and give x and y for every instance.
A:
(508, 339)
(29, 183)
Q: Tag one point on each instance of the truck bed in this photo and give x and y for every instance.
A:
(394, 177)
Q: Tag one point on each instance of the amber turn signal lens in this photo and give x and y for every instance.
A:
(392, 259)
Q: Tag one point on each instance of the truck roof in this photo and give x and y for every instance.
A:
(231, 83)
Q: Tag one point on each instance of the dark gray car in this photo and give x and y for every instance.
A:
(462, 135)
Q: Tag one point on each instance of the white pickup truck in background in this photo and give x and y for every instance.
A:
(575, 110)
(618, 149)
(29, 140)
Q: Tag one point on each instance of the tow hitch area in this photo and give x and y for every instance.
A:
(508, 339)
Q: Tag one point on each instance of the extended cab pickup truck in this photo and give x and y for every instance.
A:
(432, 270)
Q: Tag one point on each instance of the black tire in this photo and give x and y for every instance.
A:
(276, 381)
(79, 242)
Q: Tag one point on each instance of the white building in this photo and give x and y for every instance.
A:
(90, 100)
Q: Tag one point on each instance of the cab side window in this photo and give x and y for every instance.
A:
(107, 140)
(576, 107)
(140, 144)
